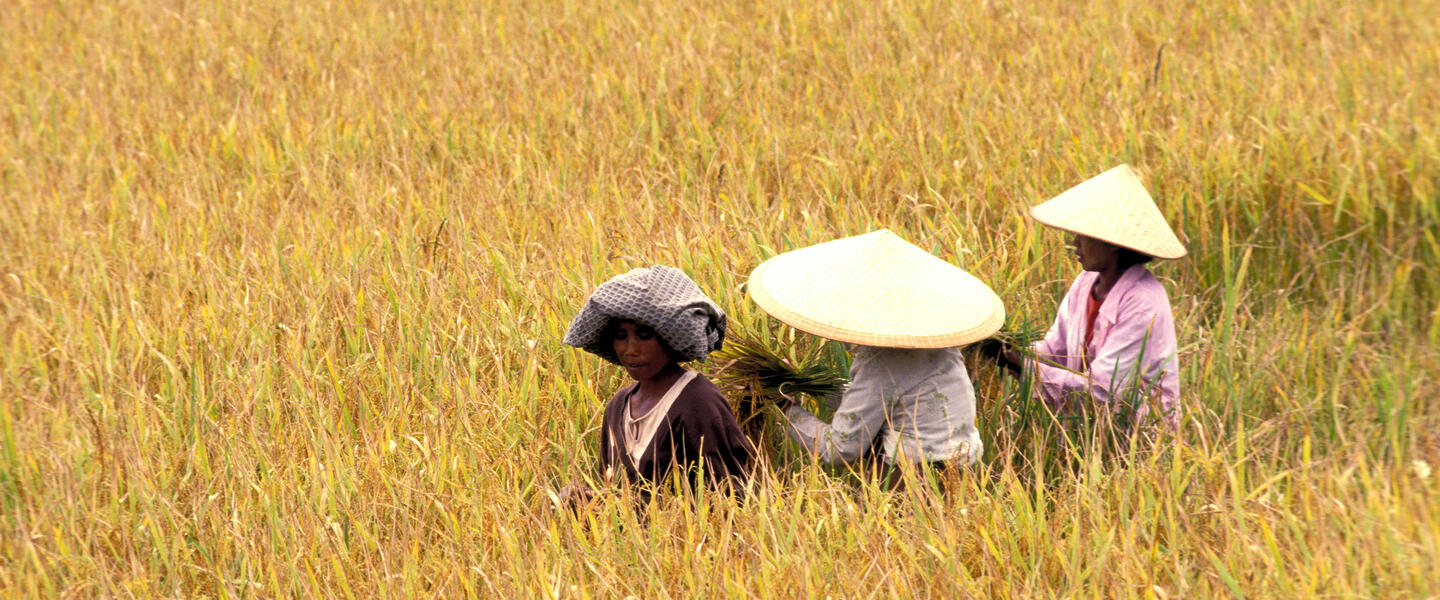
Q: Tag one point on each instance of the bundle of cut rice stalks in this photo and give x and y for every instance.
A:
(756, 372)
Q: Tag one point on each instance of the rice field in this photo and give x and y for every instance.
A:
(283, 283)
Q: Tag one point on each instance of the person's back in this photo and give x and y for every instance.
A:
(919, 400)
(904, 313)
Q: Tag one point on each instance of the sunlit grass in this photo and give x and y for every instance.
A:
(282, 288)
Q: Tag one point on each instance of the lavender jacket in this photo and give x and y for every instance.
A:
(1135, 365)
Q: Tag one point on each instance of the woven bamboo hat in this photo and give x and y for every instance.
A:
(1113, 207)
(877, 290)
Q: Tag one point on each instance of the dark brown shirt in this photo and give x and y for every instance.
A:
(699, 428)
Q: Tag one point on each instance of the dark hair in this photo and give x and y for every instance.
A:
(1127, 257)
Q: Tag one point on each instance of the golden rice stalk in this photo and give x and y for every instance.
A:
(756, 373)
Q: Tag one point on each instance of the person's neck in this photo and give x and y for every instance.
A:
(656, 386)
(1109, 276)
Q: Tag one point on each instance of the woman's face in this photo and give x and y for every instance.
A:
(1093, 254)
(640, 351)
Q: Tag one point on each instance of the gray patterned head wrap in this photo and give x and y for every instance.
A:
(659, 297)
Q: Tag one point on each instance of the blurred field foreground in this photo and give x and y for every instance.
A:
(282, 286)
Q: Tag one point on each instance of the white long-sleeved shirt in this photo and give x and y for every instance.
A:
(920, 400)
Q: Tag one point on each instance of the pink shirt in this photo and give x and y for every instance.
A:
(1133, 348)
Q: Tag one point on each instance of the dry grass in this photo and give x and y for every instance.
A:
(282, 287)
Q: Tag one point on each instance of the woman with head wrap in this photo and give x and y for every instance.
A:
(903, 314)
(1112, 348)
(671, 421)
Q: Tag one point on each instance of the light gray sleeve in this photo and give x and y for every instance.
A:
(860, 417)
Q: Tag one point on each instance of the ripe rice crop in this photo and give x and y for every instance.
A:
(283, 284)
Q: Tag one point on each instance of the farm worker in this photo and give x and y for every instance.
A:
(1112, 347)
(672, 421)
(903, 314)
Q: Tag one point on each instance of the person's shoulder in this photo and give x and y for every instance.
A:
(1143, 291)
(617, 401)
(703, 398)
(701, 388)
(1145, 283)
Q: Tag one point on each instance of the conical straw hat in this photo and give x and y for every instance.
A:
(877, 290)
(1113, 207)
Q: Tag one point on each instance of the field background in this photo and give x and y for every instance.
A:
(282, 288)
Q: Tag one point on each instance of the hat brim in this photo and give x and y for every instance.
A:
(1113, 207)
(1102, 237)
(876, 290)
